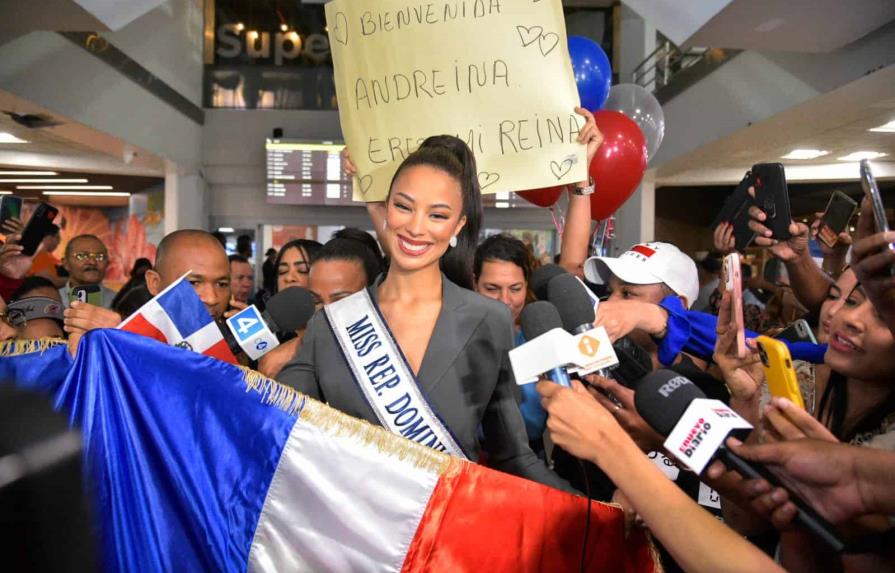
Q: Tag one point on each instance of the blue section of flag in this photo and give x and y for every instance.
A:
(179, 456)
(185, 308)
(38, 371)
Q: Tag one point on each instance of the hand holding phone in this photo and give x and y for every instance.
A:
(779, 372)
(732, 282)
(39, 226)
(770, 216)
(840, 209)
(11, 214)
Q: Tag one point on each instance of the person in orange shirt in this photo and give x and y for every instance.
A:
(45, 263)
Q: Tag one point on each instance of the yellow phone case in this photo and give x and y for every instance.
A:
(778, 370)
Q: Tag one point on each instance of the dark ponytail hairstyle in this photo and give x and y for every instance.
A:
(452, 156)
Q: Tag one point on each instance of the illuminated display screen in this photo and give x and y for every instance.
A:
(306, 173)
(311, 173)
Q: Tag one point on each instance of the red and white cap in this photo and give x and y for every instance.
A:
(646, 264)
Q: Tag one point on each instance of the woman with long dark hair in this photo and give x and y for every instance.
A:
(418, 353)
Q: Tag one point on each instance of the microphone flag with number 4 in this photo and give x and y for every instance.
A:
(193, 464)
(177, 316)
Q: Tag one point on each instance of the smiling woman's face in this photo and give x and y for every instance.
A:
(424, 210)
(860, 345)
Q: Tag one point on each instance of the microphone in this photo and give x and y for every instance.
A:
(697, 429)
(576, 309)
(253, 332)
(541, 277)
(289, 310)
(538, 318)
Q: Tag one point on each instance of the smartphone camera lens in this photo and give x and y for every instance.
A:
(763, 355)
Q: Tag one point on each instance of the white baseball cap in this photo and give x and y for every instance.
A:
(646, 264)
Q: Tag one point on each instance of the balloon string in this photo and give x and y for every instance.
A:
(557, 220)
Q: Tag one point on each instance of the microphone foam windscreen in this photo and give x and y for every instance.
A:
(661, 397)
(539, 317)
(542, 276)
(571, 300)
(290, 309)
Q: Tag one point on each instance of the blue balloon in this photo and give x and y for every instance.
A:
(593, 73)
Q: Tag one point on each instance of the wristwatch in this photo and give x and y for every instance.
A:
(588, 190)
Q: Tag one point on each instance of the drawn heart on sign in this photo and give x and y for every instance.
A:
(547, 42)
(365, 182)
(529, 35)
(561, 169)
(487, 179)
(340, 31)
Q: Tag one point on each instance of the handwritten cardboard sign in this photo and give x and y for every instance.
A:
(495, 73)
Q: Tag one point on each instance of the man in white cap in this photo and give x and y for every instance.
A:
(647, 272)
(651, 285)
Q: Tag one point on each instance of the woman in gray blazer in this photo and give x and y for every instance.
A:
(455, 341)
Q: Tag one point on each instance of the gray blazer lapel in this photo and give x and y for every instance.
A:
(454, 327)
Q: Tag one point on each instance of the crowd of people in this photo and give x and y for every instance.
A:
(450, 304)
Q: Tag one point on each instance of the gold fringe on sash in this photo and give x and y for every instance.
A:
(17, 347)
(336, 423)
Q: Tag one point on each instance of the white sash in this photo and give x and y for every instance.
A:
(382, 372)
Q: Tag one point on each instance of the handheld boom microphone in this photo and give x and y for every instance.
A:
(697, 429)
(254, 332)
(538, 318)
(576, 308)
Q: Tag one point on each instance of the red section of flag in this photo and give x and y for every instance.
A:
(221, 351)
(539, 528)
(139, 325)
(643, 250)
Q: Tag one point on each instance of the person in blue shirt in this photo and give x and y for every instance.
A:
(502, 269)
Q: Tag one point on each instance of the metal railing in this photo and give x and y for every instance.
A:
(660, 67)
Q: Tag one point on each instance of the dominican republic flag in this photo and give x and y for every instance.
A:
(177, 316)
(194, 465)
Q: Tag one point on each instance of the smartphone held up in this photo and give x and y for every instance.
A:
(731, 279)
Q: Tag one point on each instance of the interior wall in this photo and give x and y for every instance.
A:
(167, 41)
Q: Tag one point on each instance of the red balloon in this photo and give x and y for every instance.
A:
(618, 166)
(545, 197)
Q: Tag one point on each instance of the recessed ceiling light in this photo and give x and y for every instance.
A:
(226, 229)
(88, 193)
(72, 187)
(43, 181)
(885, 128)
(805, 154)
(10, 138)
(859, 155)
(28, 173)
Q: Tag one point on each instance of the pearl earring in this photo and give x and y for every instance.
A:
(453, 241)
(384, 224)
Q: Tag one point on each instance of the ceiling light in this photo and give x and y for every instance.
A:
(805, 154)
(226, 230)
(29, 173)
(885, 128)
(43, 181)
(88, 193)
(240, 27)
(10, 138)
(71, 187)
(5, 192)
(284, 28)
(859, 155)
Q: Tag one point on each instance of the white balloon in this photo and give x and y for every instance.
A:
(642, 106)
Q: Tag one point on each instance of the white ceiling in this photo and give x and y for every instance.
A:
(73, 150)
(70, 145)
(836, 121)
(790, 25)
